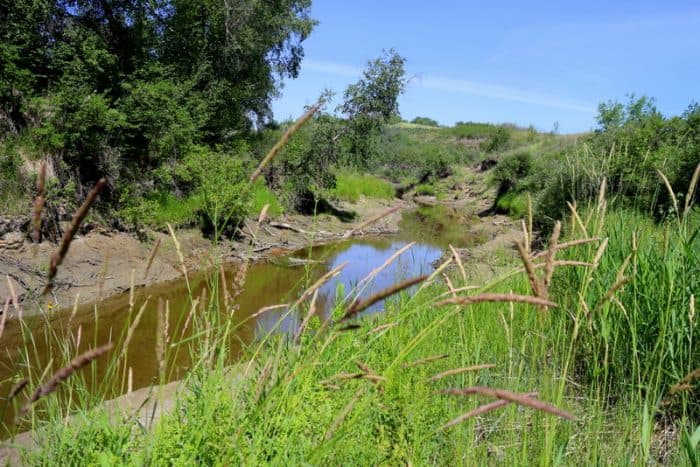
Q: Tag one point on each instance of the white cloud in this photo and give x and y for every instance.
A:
(500, 92)
(458, 86)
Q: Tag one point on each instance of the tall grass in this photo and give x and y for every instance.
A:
(351, 186)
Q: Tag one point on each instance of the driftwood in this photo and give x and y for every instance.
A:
(282, 225)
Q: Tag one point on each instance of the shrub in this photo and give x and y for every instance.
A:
(512, 169)
(425, 121)
(498, 140)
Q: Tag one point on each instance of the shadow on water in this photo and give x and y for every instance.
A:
(267, 283)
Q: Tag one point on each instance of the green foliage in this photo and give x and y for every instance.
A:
(425, 121)
(648, 332)
(351, 186)
(511, 170)
(370, 103)
(261, 195)
(222, 184)
(498, 140)
(512, 204)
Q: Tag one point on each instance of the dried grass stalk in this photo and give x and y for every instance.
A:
(691, 191)
(151, 258)
(494, 297)
(132, 328)
(611, 293)
(307, 318)
(671, 193)
(357, 306)
(385, 265)
(520, 399)
(64, 373)
(686, 383)
(57, 257)
(549, 261)
(17, 388)
(265, 309)
(343, 414)
(382, 328)
(366, 224)
(458, 371)
(565, 245)
(283, 140)
(529, 269)
(13, 294)
(39, 202)
(460, 289)
(449, 285)
(423, 361)
(3, 318)
(481, 410)
(262, 380)
(577, 219)
(458, 260)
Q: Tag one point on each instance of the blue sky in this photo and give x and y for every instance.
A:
(526, 62)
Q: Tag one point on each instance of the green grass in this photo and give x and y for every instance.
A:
(513, 204)
(262, 195)
(351, 186)
(608, 362)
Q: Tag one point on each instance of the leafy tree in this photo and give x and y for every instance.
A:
(370, 103)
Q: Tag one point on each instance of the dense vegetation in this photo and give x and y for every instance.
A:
(169, 100)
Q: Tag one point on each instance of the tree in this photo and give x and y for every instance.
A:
(370, 103)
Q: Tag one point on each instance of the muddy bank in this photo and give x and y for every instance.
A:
(104, 263)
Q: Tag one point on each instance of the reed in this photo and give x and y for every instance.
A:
(69, 234)
(64, 373)
(521, 399)
(481, 410)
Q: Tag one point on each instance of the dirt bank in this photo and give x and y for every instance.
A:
(104, 263)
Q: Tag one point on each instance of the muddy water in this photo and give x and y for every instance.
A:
(267, 283)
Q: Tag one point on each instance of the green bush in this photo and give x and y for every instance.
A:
(511, 170)
(425, 121)
(498, 140)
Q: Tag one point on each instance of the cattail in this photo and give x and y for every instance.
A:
(493, 297)
(151, 258)
(458, 371)
(68, 235)
(65, 373)
(482, 410)
(39, 202)
(520, 399)
(366, 224)
(423, 361)
(357, 306)
(282, 141)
